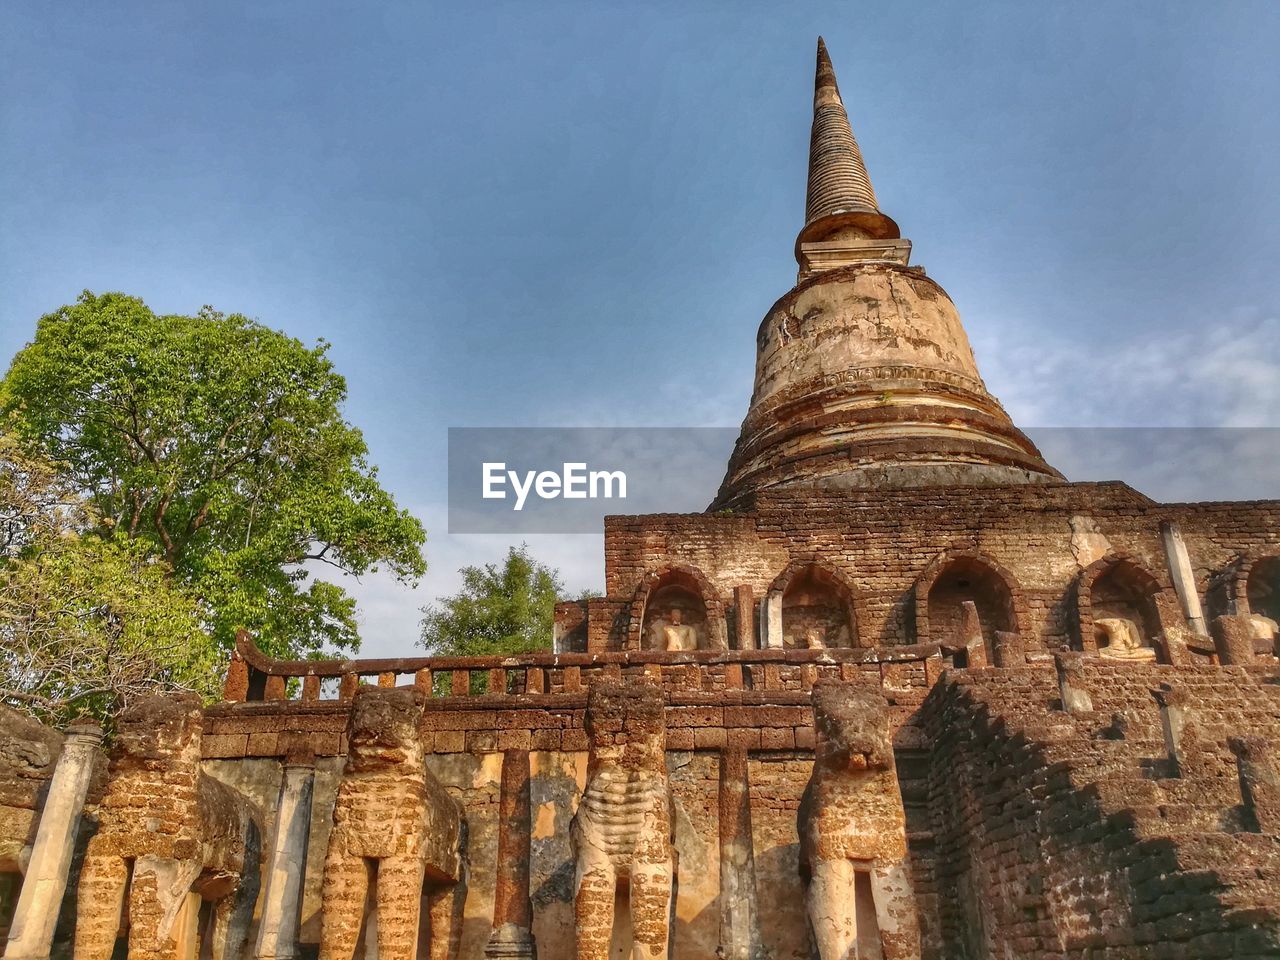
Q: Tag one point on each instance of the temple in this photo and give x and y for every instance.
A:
(902, 692)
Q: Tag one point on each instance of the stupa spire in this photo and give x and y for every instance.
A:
(864, 374)
(841, 203)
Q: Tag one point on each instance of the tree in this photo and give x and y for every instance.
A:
(220, 444)
(499, 610)
(36, 502)
(88, 624)
(85, 624)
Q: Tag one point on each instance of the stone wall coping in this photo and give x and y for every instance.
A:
(545, 702)
(270, 666)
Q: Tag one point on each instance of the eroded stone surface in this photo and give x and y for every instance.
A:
(865, 378)
(853, 832)
(169, 836)
(393, 815)
(622, 832)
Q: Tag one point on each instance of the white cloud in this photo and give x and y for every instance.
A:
(389, 612)
(1187, 416)
(1225, 375)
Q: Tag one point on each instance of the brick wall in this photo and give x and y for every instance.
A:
(883, 542)
(1073, 835)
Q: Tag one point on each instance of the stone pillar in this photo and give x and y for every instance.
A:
(744, 604)
(1184, 578)
(1010, 651)
(1173, 723)
(1233, 639)
(739, 913)
(1172, 645)
(512, 910)
(36, 915)
(1259, 781)
(236, 687)
(771, 622)
(287, 866)
(1075, 696)
(971, 635)
(186, 928)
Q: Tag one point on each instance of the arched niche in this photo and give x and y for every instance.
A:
(1262, 587)
(1118, 587)
(678, 601)
(965, 575)
(1220, 593)
(817, 607)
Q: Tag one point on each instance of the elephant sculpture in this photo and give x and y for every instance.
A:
(169, 836)
(853, 848)
(395, 826)
(622, 831)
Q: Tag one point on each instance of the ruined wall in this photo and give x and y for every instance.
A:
(465, 738)
(1030, 831)
(28, 754)
(1075, 835)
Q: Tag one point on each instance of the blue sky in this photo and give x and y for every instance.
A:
(576, 213)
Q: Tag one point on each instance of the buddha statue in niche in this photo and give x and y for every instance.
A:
(1263, 628)
(1124, 642)
(678, 635)
(815, 638)
(1265, 632)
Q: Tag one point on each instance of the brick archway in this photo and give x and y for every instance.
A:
(1243, 590)
(690, 579)
(802, 568)
(1154, 600)
(1001, 593)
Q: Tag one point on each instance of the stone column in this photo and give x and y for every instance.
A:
(1233, 640)
(36, 915)
(1071, 687)
(739, 911)
(1259, 781)
(512, 910)
(1010, 650)
(744, 605)
(186, 928)
(1173, 723)
(1184, 578)
(771, 622)
(287, 866)
(975, 645)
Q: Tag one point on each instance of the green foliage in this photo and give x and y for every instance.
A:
(85, 623)
(36, 502)
(499, 610)
(220, 443)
